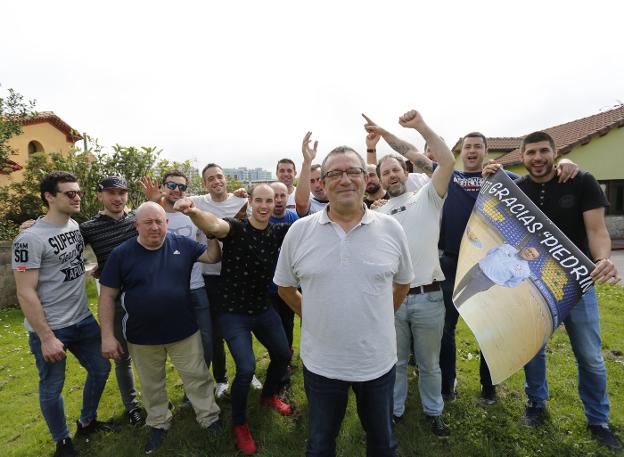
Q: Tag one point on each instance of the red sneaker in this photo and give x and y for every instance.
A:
(274, 402)
(244, 441)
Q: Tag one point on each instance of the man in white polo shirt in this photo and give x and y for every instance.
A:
(421, 316)
(354, 268)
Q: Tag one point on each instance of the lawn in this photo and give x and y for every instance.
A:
(477, 430)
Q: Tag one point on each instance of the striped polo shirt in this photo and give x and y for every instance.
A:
(104, 234)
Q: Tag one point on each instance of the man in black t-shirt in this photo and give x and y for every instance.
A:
(577, 207)
(249, 254)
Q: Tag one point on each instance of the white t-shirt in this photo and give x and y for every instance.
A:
(419, 215)
(415, 181)
(227, 208)
(182, 225)
(347, 330)
(291, 199)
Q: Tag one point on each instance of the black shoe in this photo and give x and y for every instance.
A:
(488, 395)
(136, 417)
(84, 431)
(215, 428)
(65, 448)
(449, 396)
(157, 435)
(605, 436)
(396, 419)
(533, 415)
(438, 427)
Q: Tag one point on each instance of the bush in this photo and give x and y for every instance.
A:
(8, 230)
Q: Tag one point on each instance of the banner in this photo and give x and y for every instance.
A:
(518, 276)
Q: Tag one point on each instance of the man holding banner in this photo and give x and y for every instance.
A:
(577, 208)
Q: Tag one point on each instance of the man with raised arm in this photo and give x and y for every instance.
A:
(354, 268)
(250, 250)
(421, 316)
(49, 270)
(309, 180)
(152, 272)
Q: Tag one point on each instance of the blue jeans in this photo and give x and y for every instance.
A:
(82, 340)
(420, 317)
(201, 306)
(268, 329)
(583, 328)
(327, 401)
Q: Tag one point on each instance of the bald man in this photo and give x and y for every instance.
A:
(152, 272)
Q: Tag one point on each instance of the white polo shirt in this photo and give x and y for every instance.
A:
(419, 214)
(347, 330)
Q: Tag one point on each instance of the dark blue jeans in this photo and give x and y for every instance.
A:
(201, 307)
(237, 330)
(327, 401)
(83, 340)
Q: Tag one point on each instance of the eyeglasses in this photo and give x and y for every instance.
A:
(351, 173)
(172, 185)
(71, 194)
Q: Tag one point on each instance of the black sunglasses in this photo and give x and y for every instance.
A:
(172, 185)
(71, 194)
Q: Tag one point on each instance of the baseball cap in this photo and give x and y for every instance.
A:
(112, 182)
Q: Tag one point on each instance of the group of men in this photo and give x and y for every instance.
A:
(179, 275)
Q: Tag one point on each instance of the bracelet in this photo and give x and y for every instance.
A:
(371, 150)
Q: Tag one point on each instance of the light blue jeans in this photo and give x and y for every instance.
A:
(420, 317)
(583, 328)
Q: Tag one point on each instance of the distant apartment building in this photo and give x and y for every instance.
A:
(248, 174)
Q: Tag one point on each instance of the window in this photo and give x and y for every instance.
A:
(34, 146)
(614, 189)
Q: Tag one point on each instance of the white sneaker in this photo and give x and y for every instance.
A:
(222, 389)
(255, 383)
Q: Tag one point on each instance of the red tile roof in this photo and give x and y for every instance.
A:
(571, 134)
(495, 144)
(71, 134)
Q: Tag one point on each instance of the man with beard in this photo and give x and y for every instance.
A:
(49, 267)
(310, 179)
(374, 190)
(421, 316)
(577, 208)
(286, 172)
(250, 250)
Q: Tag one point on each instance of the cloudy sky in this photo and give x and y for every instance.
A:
(240, 83)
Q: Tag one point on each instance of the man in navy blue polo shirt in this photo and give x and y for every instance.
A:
(153, 272)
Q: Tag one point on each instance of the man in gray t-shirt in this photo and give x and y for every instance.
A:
(49, 269)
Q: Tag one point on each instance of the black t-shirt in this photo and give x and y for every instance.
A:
(565, 203)
(368, 202)
(248, 261)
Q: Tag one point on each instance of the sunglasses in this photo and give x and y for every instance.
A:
(71, 194)
(172, 185)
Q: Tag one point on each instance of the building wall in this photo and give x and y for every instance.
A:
(50, 138)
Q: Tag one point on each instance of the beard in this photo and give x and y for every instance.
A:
(397, 190)
(372, 188)
(546, 170)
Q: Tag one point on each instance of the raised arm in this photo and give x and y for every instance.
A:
(205, 221)
(111, 349)
(421, 163)
(441, 152)
(212, 253)
(600, 246)
(302, 194)
(372, 138)
(52, 348)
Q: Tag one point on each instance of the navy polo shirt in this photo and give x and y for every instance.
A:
(154, 288)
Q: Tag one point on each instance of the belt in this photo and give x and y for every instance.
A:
(433, 287)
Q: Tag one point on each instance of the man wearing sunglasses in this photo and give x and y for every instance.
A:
(49, 269)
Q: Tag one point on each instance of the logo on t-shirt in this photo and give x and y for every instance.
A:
(176, 252)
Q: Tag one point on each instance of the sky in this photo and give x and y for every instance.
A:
(240, 83)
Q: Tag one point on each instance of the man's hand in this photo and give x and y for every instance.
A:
(240, 193)
(27, 224)
(567, 170)
(378, 203)
(372, 139)
(308, 153)
(151, 189)
(491, 168)
(53, 350)
(184, 205)
(411, 119)
(372, 127)
(605, 271)
(111, 349)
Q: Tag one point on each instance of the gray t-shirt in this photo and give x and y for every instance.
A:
(57, 251)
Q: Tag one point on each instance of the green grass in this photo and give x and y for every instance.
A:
(477, 430)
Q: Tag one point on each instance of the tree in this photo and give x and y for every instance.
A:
(13, 112)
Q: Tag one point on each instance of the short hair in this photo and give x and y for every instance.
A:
(341, 150)
(174, 172)
(315, 167)
(49, 183)
(388, 157)
(285, 161)
(536, 137)
(210, 165)
(475, 135)
(253, 189)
